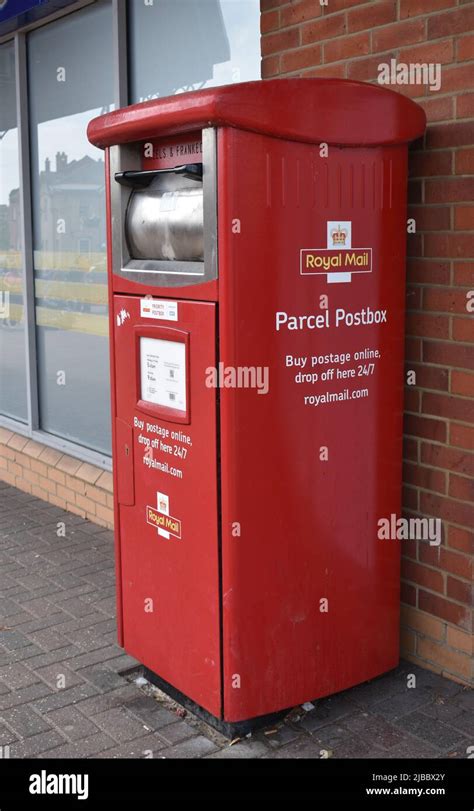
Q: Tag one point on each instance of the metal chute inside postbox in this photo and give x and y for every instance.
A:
(256, 250)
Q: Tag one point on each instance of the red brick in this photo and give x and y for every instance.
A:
(461, 487)
(424, 427)
(445, 405)
(458, 133)
(435, 164)
(448, 354)
(462, 383)
(465, 161)
(331, 71)
(266, 5)
(340, 5)
(431, 377)
(438, 52)
(463, 329)
(444, 300)
(464, 273)
(465, 48)
(451, 22)
(269, 21)
(461, 436)
(407, 594)
(412, 400)
(270, 66)
(459, 590)
(431, 218)
(422, 575)
(298, 11)
(465, 105)
(398, 35)
(281, 41)
(420, 271)
(464, 218)
(409, 498)
(429, 554)
(461, 539)
(301, 58)
(455, 245)
(347, 47)
(414, 245)
(438, 109)
(326, 28)
(410, 449)
(413, 349)
(413, 298)
(372, 15)
(447, 459)
(427, 326)
(459, 190)
(366, 70)
(456, 563)
(439, 607)
(455, 512)
(415, 192)
(425, 477)
(413, 8)
(456, 78)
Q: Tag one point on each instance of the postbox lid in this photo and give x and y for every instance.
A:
(334, 111)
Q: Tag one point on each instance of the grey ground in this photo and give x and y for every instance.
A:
(67, 689)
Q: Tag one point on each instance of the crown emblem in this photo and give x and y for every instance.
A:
(338, 236)
(162, 505)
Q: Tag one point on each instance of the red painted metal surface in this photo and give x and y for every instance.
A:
(277, 511)
(170, 585)
(312, 110)
(308, 525)
(113, 406)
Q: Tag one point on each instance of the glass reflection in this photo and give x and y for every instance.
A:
(13, 402)
(71, 82)
(180, 45)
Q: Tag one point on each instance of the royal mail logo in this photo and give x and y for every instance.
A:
(339, 237)
(162, 521)
(159, 517)
(338, 260)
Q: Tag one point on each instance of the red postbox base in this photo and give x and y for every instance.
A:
(226, 728)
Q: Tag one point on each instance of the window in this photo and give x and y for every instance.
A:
(179, 45)
(84, 246)
(13, 400)
(70, 82)
(54, 360)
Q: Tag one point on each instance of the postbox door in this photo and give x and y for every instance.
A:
(166, 449)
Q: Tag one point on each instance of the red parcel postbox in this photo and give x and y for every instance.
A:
(256, 254)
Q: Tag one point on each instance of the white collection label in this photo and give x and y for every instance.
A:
(159, 308)
(163, 372)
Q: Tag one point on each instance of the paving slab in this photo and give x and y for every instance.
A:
(57, 607)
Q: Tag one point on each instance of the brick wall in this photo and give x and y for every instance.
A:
(349, 39)
(75, 486)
